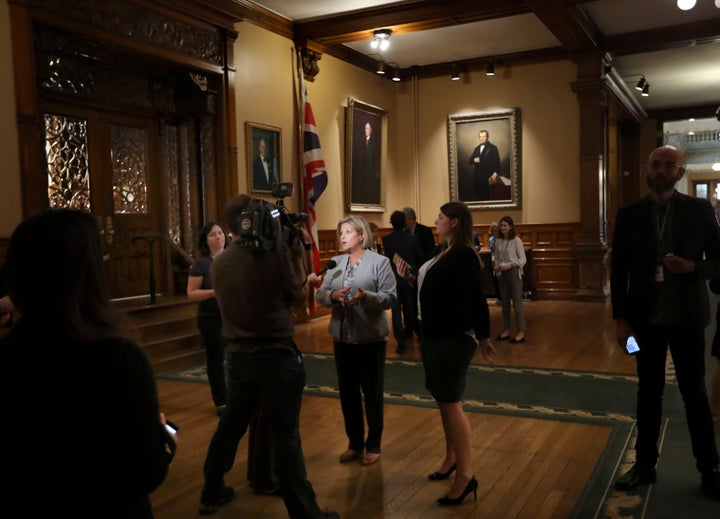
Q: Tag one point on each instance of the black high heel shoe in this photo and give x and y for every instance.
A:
(472, 486)
(437, 476)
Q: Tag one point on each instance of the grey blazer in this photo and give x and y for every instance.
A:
(367, 321)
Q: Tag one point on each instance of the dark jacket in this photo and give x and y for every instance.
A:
(82, 435)
(426, 239)
(695, 236)
(452, 296)
(407, 247)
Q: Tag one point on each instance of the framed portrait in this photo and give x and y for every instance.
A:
(264, 152)
(484, 159)
(365, 156)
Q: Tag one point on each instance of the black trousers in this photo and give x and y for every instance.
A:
(275, 378)
(404, 315)
(687, 347)
(361, 377)
(209, 326)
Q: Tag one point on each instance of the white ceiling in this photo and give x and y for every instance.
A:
(685, 76)
(688, 75)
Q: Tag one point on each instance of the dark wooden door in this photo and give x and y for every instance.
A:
(106, 162)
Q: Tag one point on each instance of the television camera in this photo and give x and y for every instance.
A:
(266, 226)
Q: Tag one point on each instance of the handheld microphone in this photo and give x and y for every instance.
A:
(330, 265)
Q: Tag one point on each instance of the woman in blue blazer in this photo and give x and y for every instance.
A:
(359, 290)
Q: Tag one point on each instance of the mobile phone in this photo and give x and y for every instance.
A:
(632, 346)
(171, 427)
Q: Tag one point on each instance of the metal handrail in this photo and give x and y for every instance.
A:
(151, 239)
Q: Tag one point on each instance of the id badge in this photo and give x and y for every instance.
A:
(659, 277)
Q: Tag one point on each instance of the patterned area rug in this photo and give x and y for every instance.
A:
(578, 396)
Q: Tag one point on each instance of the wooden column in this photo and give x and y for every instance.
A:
(592, 249)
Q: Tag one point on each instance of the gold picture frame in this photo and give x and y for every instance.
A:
(485, 173)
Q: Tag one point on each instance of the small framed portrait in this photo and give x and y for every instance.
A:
(264, 152)
(365, 156)
(484, 159)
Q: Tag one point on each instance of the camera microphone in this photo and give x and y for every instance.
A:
(330, 265)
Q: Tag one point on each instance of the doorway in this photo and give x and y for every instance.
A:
(103, 162)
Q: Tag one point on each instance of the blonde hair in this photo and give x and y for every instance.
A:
(361, 226)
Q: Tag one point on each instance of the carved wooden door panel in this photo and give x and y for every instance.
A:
(107, 163)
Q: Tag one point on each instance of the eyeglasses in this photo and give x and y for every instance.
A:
(667, 165)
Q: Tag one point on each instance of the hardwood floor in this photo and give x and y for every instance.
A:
(526, 467)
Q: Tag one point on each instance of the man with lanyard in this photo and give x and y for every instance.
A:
(665, 246)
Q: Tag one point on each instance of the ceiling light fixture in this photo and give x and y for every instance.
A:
(641, 84)
(396, 75)
(686, 5)
(381, 68)
(381, 39)
(490, 71)
(646, 90)
(455, 73)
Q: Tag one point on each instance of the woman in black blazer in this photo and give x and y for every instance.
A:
(454, 320)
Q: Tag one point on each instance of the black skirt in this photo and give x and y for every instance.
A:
(446, 363)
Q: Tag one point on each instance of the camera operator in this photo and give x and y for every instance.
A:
(255, 288)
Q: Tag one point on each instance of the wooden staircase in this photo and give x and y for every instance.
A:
(167, 330)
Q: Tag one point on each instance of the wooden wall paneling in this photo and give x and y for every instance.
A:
(553, 269)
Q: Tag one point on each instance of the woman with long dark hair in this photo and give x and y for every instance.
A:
(508, 268)
(83, 435)
(211, 243)
(454, 319)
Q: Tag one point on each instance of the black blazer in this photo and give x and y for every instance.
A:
(695, 236)
(407, 246)
(452, 296)
(426, 239)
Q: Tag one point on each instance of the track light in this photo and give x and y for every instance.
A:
(646, 90)
(641, 84)
(381, 39)
(455, 73)
(381, 68)
(686, 5)
(490, 71)
(396, 75)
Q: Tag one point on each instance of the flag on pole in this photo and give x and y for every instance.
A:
(314, 183)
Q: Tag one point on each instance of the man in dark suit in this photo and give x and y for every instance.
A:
(407, 247)
(665, 247)
(486, 160)
(422, 233)
(263, 175)
(366, 169)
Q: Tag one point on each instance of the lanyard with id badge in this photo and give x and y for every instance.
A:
(659, 234)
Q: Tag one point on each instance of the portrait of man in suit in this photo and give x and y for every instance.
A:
(366, 168)
(262, 168)
(264, 156)
(366, 143)
(483, 162)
